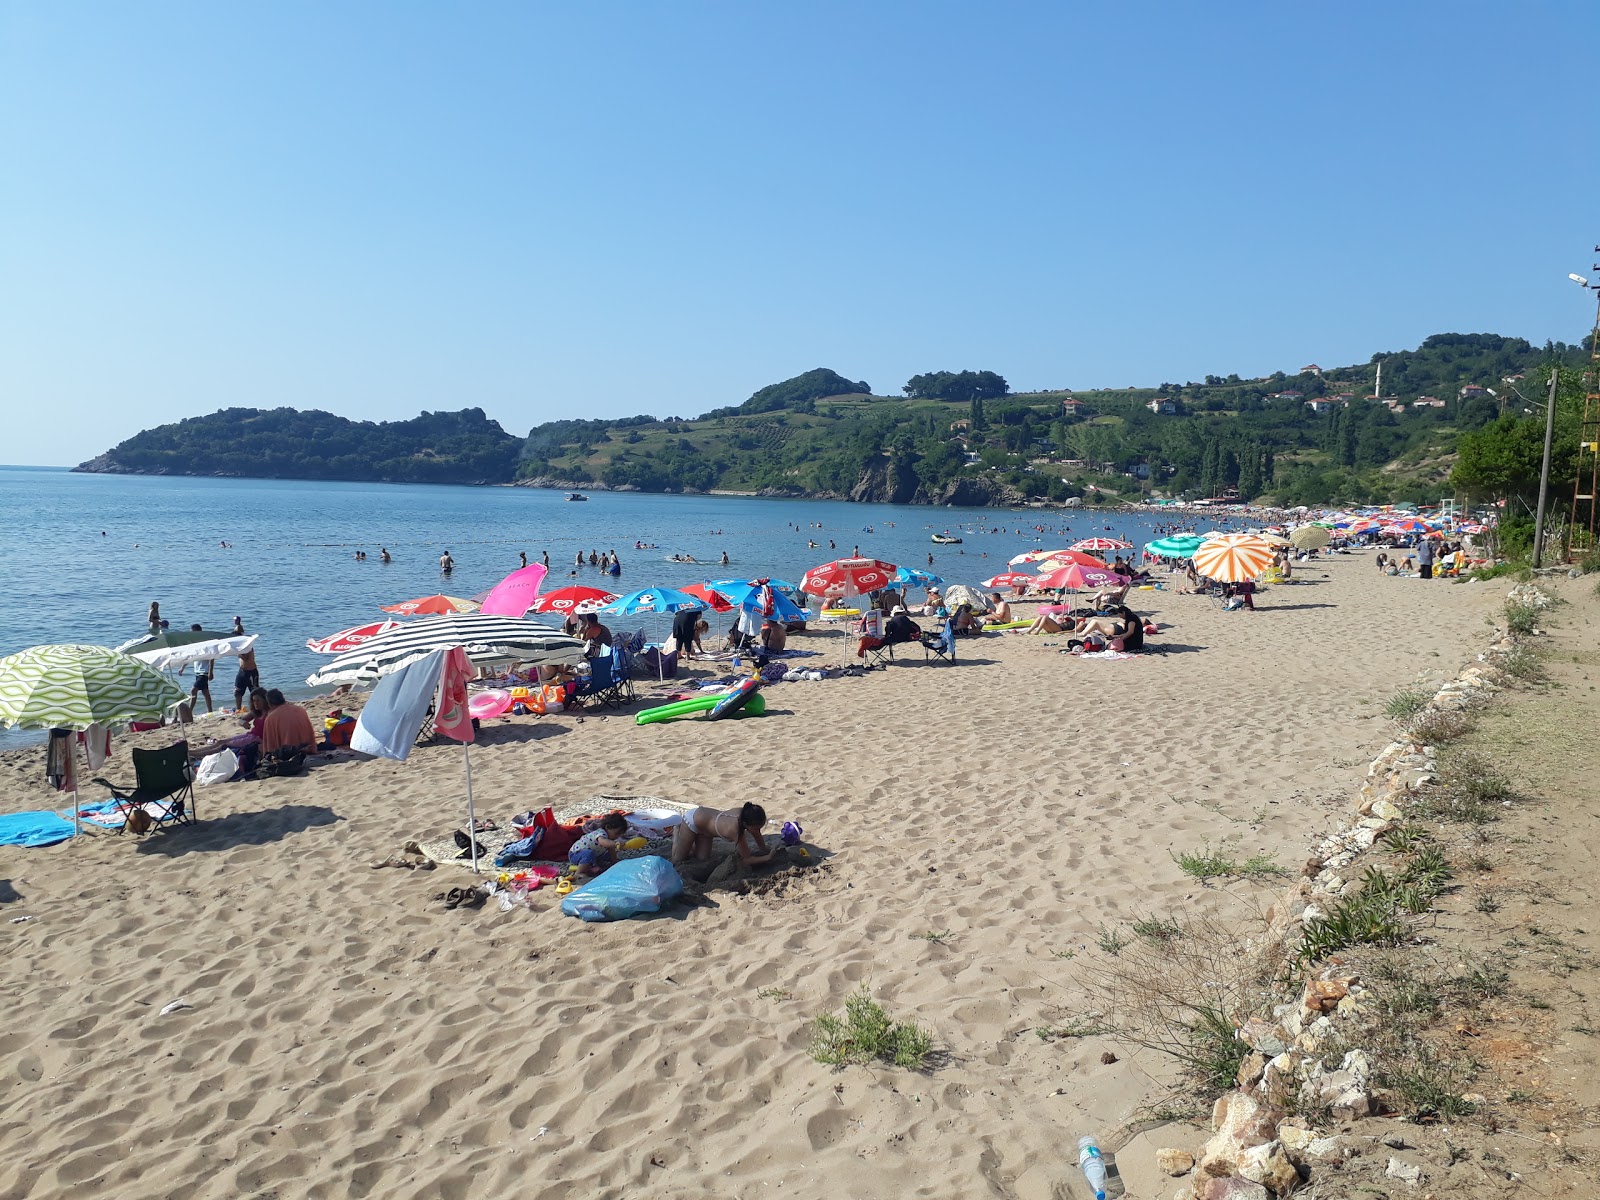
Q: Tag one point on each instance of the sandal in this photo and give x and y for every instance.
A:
(454, 897)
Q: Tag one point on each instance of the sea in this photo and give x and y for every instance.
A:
(84, 555)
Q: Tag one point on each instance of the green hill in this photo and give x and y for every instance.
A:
(285, 443)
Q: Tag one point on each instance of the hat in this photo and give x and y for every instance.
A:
(898, 611)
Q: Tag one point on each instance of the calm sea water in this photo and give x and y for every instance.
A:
(83, 555)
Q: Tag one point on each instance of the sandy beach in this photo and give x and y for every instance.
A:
(345, 1035)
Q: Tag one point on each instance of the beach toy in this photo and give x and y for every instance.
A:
(754, 707)
(484, 705)
(802, 852)
(564, 885)
(731, 702)
(635, 843)
(791, 832)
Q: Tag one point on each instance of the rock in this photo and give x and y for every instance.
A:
(1408, 1173)
(1233, 1187)
(1304, 1147)
(1476, 1099)
(1280, 1077)
(1385, 811)
(1250, 1069)
(1269, 1166)
(1242, 1121)
(1264, 1036)
(1175, 1162)
(1323, 995)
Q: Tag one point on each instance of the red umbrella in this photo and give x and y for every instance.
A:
(432, 606)
(1033, 556)
(1063, 558)
(713, 598)
(349, 639)
(573, 599)
(1009, 579)
(1075, 576)
(848, 577)
(1102, 543)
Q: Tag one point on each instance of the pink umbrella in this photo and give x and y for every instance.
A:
(1033, 556)
(573, 599)
(349, 639)
(1102, 543)
(514, 594)
(1075, 576)
(848, 577)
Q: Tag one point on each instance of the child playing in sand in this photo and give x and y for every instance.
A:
(693, 837)
(597, 849)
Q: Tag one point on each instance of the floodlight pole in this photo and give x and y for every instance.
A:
(1544, 469)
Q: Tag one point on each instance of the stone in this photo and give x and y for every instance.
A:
(1250, 1069)
(1174, 1161)
(1407, 1173)
(1323, 995)
(1264, 1036)
(1269, 1166)
(1233, 1187)
(1385, 811)
(1242, 1121)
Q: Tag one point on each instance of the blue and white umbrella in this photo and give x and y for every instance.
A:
(745, 594)
(653, 600)
(916, 577)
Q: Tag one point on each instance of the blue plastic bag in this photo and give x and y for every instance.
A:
(633, 886)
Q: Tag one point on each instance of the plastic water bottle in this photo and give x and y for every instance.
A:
(1094, 1170)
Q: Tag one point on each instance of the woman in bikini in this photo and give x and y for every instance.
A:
(693, 837)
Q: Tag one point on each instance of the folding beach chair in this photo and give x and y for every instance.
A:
(600, 689)
(622, 665)
(941, 646)
(162, 793)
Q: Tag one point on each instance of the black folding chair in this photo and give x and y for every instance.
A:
(942, 645)
(162, 793)
(600, 688)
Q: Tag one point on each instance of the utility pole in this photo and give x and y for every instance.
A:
(1544, 469)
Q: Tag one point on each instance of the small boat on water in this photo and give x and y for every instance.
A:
(944, 539)
(576, 496)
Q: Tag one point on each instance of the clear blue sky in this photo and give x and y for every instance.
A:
(551, 210)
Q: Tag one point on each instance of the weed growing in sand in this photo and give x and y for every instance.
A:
(1261, 866)
(1405, 704)
(1540, 1003)
(1204, 863)
(865, 1034)
(1496, 571)
(1111, 942)
(1063, 954)
(1079, 1027)
(1158, 929)
(774, 993)
(1479, 862)
(1406, 838)
(1522, 620)
(932, 936)
(1524, 664)
(1435, 727)
(1487, 902)
(1466, 791)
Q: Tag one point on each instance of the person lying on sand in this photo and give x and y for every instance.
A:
(597, 849)
(692, 838)
(1044, 623)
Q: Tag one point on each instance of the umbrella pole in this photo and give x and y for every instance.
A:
(77, 819)
(472, 820)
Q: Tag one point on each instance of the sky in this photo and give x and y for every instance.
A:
(600, 209)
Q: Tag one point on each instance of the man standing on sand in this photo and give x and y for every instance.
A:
(203, 671)
(248, 676)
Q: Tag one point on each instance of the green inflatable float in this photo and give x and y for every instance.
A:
(754, 707)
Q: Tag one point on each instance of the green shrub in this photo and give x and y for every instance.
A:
(1521, 619)
(866, 1034)
(1205, 863)
(1405, 704)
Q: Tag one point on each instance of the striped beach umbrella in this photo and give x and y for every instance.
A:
(78, 686)
(1177, 545)
(1033, 556)
(349, 639)
(435, 605)
(1232, 557)
(1310, 537)
(486, 639)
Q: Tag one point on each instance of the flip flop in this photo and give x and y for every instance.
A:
(453, 898)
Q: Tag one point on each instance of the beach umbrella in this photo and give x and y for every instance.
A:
(716, 601)
(219, 645)
(744, 594)
(1274, 539)
(1406, 525)
(1075, 576)
(515, 594)
(574, 599)
(1033, 556)
(916, 577)
(1310, 537)
(1063, 558)
(74, 687)
(435, 605)
(349, 639)
(848, 577)
(959, 593)
(1009, 579)
(653, 600)
(485, 639)
(1178, 545)
(1232, 557)
(1102, 543)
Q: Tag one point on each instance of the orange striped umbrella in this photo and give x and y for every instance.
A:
(1232, 557)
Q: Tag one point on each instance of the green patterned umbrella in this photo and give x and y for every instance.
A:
(78, 686)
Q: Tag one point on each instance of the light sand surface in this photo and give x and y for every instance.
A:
(349, 1037)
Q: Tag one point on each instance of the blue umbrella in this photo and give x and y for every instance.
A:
(653, 600)
(914, 577)
(747, 595)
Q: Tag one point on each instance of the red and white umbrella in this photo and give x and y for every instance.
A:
(1407, 525)
(714, 599)
(432, 606)
(1232, 557)
(1068, 558)
(1009, 579)
(848, 577)
(573, 599)
(1102, 543)
(1033, 556)
(349, 639)
(1074, 576)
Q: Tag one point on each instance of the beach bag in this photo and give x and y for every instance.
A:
(217, 768)
(633, 886)
(281, 763)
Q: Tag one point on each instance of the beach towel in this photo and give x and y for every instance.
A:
(389, 723)
(33, 829)
(59, 766)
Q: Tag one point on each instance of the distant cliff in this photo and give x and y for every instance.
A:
(286, 443)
